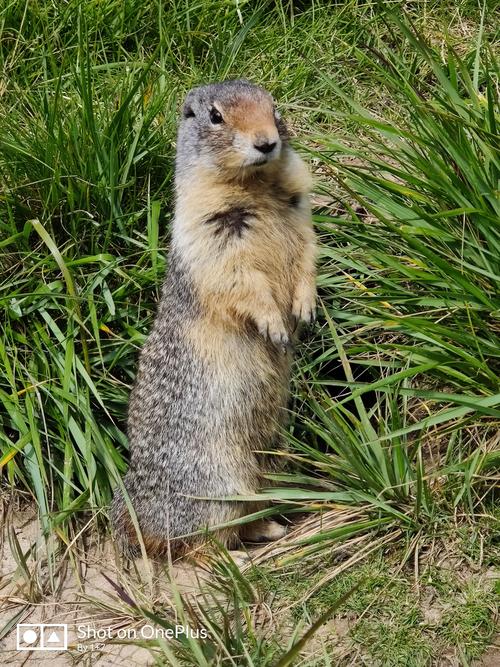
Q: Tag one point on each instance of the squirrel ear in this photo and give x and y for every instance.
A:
(187, 108)
(282, 128)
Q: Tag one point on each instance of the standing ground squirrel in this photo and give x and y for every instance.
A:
(212, 385)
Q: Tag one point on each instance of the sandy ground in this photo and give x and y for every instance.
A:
(78, 596)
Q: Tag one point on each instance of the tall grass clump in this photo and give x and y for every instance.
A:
(400, 407)
(398, 390)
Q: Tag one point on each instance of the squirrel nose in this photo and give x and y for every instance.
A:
(265, 146)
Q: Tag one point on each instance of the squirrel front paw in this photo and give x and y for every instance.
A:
(273, 328)
(304, 303)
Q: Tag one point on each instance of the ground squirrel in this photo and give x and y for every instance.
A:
(212, 384)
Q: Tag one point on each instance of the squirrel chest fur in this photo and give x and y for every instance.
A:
(212, 384)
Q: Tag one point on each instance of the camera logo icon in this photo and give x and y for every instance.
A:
(42, 637)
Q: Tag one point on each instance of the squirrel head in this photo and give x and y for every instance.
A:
(231, 126)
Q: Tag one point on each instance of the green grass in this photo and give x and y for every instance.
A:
(386, 620)
(410, 291)
(396, 392)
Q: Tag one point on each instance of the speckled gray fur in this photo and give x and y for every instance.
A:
(177, 407)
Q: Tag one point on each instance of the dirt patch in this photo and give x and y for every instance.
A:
(87, 591)
(491, 657)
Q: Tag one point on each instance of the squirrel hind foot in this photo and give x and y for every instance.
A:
(263, 530)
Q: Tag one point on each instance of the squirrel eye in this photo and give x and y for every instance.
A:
(216, 116)
(189, 113)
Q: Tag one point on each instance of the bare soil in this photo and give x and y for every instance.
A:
(79, 594)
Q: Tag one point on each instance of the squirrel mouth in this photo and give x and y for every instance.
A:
(260, 162)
